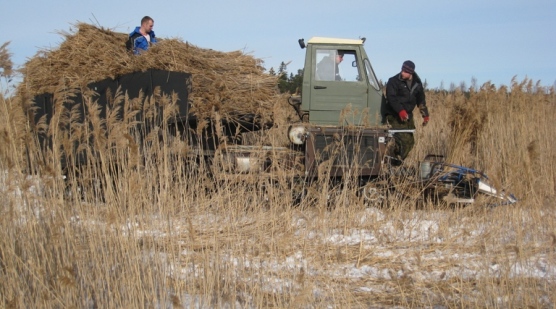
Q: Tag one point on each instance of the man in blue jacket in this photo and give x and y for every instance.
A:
(142, 37)
(404, 91)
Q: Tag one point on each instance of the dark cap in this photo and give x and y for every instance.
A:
(408, 67)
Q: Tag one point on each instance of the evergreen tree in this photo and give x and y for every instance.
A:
(283, 83)
(283, 68)
(288, 83)
(296, 81)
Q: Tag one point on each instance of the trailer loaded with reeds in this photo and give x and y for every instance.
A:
(91, 83)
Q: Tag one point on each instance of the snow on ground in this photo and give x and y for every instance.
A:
(379, 249)
(408, 249)
(20, 194)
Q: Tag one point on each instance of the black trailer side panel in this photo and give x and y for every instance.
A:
(133, 85)
(174, 82)
(43, 107)
(105, 90)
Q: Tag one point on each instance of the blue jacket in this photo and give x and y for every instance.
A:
(138, 43)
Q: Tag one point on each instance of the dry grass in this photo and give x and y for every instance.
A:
(6, 63)
(143, 226)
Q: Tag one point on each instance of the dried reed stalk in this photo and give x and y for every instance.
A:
(6, 64)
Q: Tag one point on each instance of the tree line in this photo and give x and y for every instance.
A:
(287, 82)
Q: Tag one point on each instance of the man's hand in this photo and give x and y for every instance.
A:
(403, 115)
(426, 120)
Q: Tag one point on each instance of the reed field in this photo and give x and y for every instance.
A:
(144, 225)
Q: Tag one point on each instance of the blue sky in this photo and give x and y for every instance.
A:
(449, 41)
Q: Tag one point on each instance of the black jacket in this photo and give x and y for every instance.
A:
(399, 96)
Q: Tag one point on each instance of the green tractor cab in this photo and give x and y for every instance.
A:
(339, 84)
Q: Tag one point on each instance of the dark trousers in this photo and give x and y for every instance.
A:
(404, 141)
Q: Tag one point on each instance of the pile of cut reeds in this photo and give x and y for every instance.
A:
(227, 82)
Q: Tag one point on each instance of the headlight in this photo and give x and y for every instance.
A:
(246, 164)
(297, 134)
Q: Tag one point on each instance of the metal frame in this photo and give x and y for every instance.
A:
(337, 137)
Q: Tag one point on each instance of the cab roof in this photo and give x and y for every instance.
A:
(322, 40)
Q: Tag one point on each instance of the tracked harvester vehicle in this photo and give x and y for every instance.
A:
(338, 136)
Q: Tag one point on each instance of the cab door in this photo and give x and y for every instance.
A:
(338, 81)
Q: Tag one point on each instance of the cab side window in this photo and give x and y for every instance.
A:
(336, 65)
(371, 74)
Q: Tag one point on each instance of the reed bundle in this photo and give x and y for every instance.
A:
(228, 82)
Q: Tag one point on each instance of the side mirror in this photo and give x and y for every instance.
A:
(301, 43)
(354, 63)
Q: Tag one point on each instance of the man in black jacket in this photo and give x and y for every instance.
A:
(404, 91)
